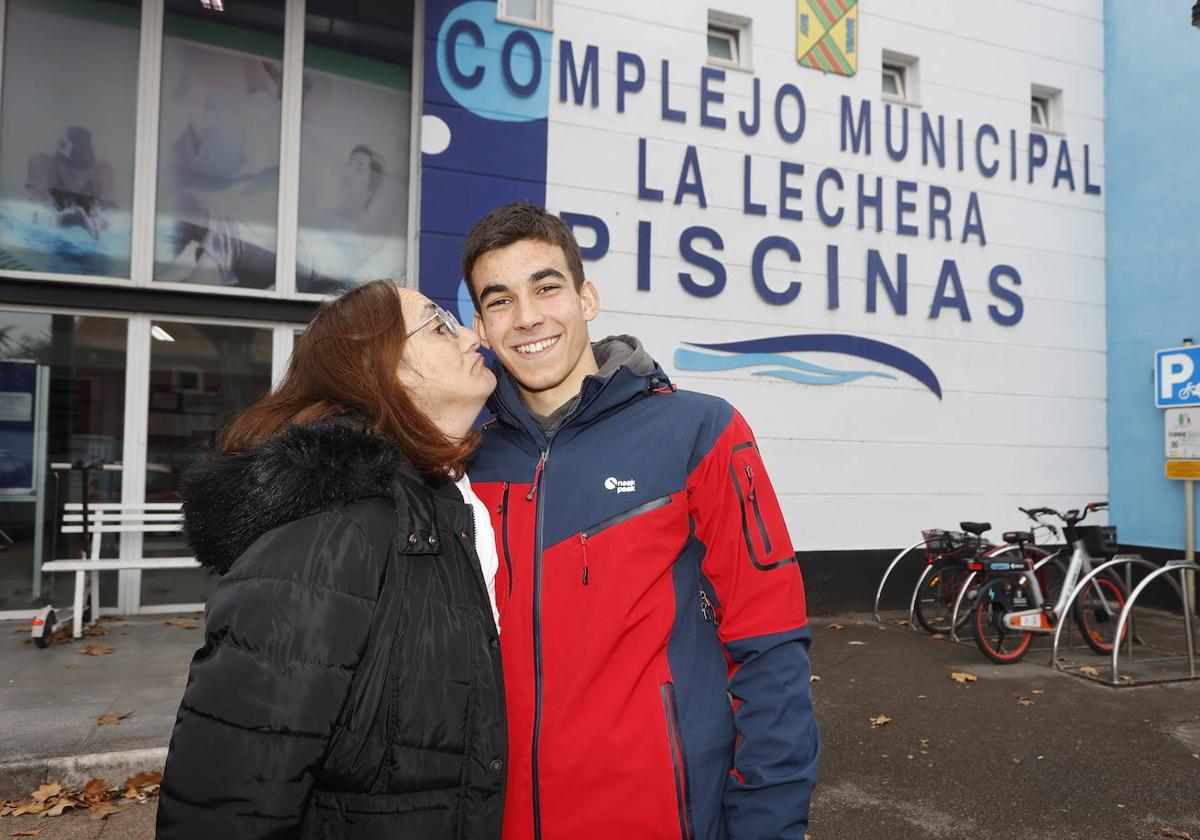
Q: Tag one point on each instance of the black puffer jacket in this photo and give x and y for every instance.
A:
(349, 685)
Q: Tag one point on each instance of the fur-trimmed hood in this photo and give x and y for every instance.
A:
(229, 501)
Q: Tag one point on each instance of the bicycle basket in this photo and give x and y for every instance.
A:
(940, 544)
(1099, 540)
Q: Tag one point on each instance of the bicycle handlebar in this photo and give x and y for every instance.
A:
(1071, 517)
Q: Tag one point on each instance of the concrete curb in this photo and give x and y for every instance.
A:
(18, 778)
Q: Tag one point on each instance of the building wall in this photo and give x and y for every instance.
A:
(1153, 249)
(918, 421)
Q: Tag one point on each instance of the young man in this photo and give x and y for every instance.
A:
(652, 613)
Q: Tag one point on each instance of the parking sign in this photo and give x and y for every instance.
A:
(1177, 377)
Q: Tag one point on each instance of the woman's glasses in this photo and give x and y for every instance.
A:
(447, 318)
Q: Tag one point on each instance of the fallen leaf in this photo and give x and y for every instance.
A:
(921, 696)
(1089, 670)
(143, 780)
(97, 649)
(1040, 757)
(29, 808)
(1039, 691)
(1126, 678)
(924, 743)
(5, 809)
(1195, 755)
(963, 677)
(1016, 761)
(112, 720)
(1025, 701)
(101, 810)
(835, 626)
(1168, 831)
(938, 636)
(901, 622)
(856, 642)
(72, 665)
(880, 720)
(46, 791)
(93, 791)
(814, 678)
(29, 832)
(185, 623)
(60, 806)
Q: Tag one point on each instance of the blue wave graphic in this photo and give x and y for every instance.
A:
(812, 374)
(847, 345)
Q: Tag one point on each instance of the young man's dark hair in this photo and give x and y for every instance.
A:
(514, 223)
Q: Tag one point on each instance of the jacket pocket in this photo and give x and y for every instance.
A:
(504, 537)
(754, 526)
(336, 816)
(591, 531)
(683, 800)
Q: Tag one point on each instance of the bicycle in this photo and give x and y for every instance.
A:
(947, 555)
(1010, 605)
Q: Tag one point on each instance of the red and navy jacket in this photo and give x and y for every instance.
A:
(653, 625)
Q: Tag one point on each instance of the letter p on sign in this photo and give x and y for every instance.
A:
(1176, 380)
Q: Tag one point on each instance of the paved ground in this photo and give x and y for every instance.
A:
(1079, 760)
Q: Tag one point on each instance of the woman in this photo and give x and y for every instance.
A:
(349, 685)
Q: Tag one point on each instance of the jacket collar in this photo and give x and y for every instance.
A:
(598, 396)
(229, 501)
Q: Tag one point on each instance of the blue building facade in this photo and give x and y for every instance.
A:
(1153, 248)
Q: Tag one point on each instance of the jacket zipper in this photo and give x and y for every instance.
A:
(678, 762)
(706, 608)
(587, 534)
(504, 537)
(537, 633)
(753, 497)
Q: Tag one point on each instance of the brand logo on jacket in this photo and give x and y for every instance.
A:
(620, 485)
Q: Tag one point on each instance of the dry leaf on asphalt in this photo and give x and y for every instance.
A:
(97, 649)
(45, 792)
(112, 720)
(924, 743)
(60, 806)
(185, 623)
(29, 808)
(103, 809)
(835, 626)
(814, 678)
(880, 720)
(963, 677)
(1089, 670)
(1025, 701)
(1039, 691)
(938, 636)
(72, 665)
(29, 832)
(5, 809)
(1195, 755)
(901, 622)
(93, 791)
(1167, 831)
(143, 784)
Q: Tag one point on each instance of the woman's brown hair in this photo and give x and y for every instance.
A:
(345, 363)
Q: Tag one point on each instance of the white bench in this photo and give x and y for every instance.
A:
(114, 518)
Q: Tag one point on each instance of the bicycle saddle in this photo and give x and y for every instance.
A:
(975, 528)
(1018, 537)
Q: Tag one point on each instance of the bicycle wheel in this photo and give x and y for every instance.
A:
(1097, 609)
(1001, 644)
(935, 602)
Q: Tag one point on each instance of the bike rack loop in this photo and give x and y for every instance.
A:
(1063, 620)
(1174, 566)
(886, 574)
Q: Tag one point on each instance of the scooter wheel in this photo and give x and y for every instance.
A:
(44, 640)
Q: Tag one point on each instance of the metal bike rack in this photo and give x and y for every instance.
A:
(887, 574)
(958, 604)
(912, 602)
(1065, 619)
(1180, 566)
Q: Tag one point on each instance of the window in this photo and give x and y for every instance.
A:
(354, 145)
(900, 78)
(218, 153)
(535, 13)
(893, 80)
(67, 135)
(1039, 112)
(728, 40)
(1045, 108)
